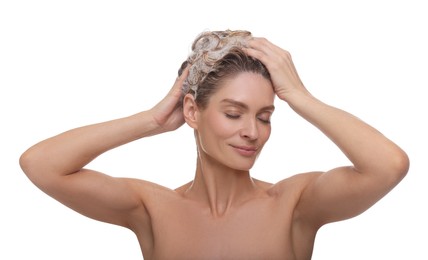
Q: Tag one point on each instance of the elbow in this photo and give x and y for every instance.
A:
(31, 164)
(399, 166)
(39, 171)
(27, 163)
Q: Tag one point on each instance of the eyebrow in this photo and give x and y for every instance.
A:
(245, 106)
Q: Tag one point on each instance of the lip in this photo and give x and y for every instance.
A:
(245, 150)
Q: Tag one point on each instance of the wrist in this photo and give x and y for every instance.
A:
(297, 96)
(145, 124)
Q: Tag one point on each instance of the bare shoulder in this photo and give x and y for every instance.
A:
(152, 191)
(183, 188)
(153, 197)
(294, 185)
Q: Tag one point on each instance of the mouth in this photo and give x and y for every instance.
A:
(246, 151)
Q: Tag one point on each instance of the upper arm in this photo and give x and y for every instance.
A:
(341, 193)
(98, 196)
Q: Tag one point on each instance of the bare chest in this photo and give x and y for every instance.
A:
(252, 232)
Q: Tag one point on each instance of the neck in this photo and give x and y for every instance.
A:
(220, 187)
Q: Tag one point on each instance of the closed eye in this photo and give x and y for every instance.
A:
(264, 121)
(265, 117)
(232, 116)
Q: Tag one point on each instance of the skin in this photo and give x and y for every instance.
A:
(223, 213)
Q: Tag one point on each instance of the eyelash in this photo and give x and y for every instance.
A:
(232, 116)
(238, 116)
(264, 121)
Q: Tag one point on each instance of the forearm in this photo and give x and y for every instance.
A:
(70, 151)
(367, 149)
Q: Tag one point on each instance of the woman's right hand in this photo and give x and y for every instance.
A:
(168, 114)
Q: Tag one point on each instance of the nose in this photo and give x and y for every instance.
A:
(250, 129)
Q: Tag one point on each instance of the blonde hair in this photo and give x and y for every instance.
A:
(215, 56)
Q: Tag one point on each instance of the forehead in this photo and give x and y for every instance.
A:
(246, 87)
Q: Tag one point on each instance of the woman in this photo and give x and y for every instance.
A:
(226, 93)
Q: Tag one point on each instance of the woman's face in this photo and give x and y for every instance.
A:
(235, 125)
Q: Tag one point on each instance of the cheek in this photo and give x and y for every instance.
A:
(214, 132)
(264, 132)
(220, 126)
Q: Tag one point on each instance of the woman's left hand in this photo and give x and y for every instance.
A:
(284, 76)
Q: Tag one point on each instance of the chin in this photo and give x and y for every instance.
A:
(241, 166)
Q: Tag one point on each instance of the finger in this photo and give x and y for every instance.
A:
(185, 73)
(178, 84)
(260, 44)
(263, 54)
(255, 53)
(265, 45)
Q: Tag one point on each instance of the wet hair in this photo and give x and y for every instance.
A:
(216, 57)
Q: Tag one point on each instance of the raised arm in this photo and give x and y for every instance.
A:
(344, 192)
(55, 165)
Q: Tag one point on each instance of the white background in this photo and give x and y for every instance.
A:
(65, 64)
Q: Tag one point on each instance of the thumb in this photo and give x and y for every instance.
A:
(176, 89)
